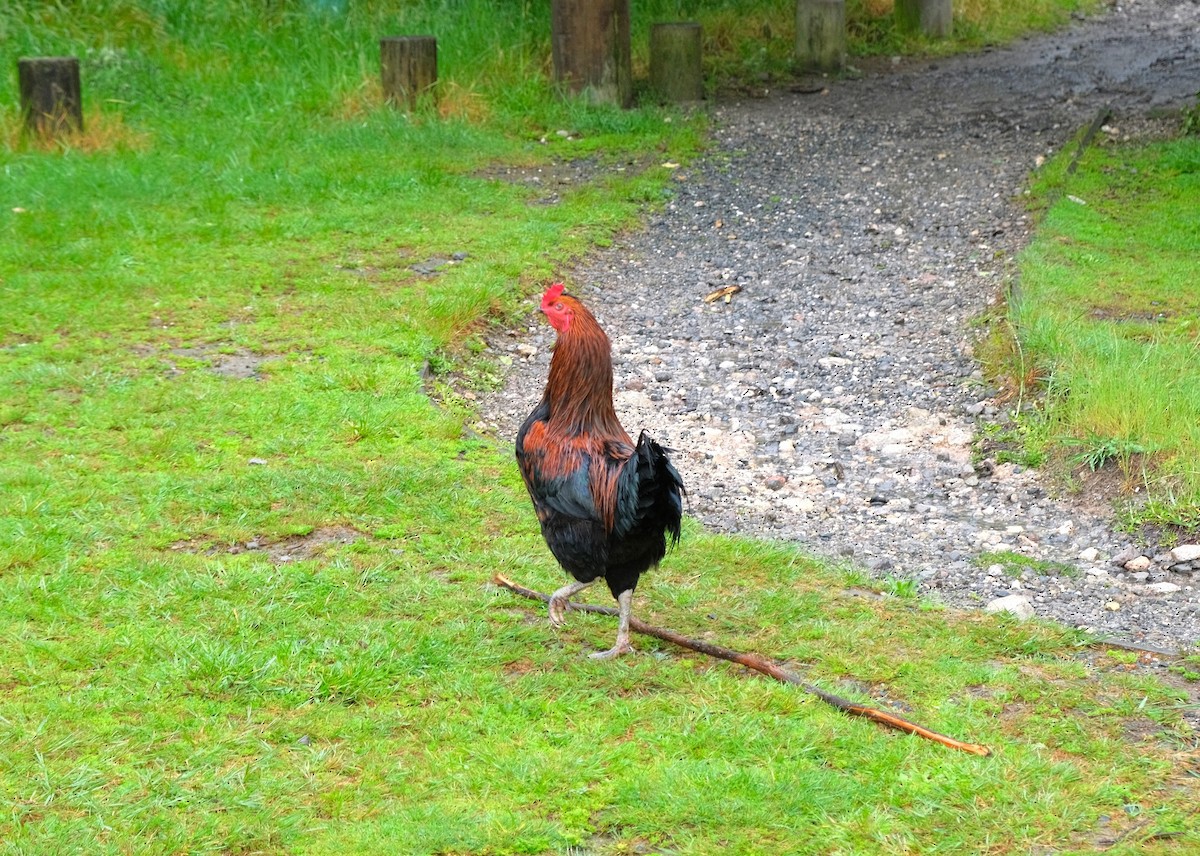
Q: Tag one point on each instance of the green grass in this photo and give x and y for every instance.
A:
(245, 560)
(1014, 564)
(1108, 324)
(380, 697)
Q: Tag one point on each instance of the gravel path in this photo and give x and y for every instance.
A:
(834, 400)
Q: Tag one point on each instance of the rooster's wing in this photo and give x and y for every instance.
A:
(555, 470)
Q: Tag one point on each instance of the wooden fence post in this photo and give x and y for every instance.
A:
(675, 69)
(51, 100)
(821, 35)
(408, 68)
(592, 54)
(934, 18)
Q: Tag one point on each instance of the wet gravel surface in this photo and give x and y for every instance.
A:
(834, 400)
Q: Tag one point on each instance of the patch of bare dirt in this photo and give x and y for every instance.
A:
(241, 363)
(313, 544)
(517, 668)
(291, 549)
(1162, 666)
(1097, 489)
(553, 179)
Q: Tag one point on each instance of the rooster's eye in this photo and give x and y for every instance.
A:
(559, 306)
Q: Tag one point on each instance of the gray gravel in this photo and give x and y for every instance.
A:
(835, 399)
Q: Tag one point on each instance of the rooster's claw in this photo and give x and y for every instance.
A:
(616, 651)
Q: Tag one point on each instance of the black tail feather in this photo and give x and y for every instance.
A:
(660, 488)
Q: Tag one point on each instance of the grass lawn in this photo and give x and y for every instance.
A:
(1107, 325)
(245, 560)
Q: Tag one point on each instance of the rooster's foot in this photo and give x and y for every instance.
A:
(559, 600)
(625, 601)
(558, 606)
(615, 651)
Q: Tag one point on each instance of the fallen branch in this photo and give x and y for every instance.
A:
(759, 664)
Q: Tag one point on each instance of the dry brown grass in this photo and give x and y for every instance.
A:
(877, 8)
(453, 101)
(972, 11)
(361, 101)
(103, 131)
(1007, 365)
(462, 102)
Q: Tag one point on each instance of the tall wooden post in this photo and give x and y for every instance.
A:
(51, 103)
(934, 18)
(592, 55)
(676, 72)
(821, 35)
(408, 68)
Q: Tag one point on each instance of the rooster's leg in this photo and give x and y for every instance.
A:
(558, 601)
(625, 602)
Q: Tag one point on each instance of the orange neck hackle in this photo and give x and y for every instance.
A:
(580, 386)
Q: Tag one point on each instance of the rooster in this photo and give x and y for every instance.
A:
(606, 505)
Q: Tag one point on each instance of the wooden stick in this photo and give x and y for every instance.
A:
(759, 664)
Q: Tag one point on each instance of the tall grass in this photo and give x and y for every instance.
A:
(1109, 311)
(263, 59)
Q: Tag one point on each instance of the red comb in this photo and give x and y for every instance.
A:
(552, 294)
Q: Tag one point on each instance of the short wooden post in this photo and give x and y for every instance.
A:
(821, 35)
(408, 68)
(592, 54)
(933, 18)
(675, 69)
(51, 103)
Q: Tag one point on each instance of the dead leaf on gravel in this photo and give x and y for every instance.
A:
(727, 292)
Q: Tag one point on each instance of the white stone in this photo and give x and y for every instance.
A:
(1014, 604)
(1162, 588)
(1091, 554)
(831, 362)
(1186, 553)
(1138, 563)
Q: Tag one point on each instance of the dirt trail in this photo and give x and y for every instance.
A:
(834, 400)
